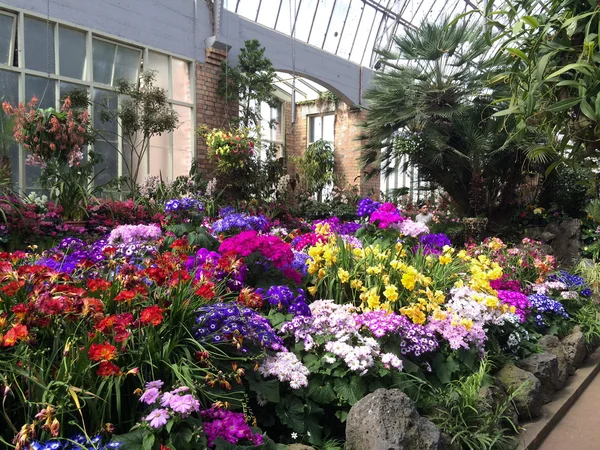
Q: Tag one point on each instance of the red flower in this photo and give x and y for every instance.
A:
(16, 333)
(12, 288)
(102, 352)
(152, 315)
(250, 298)
(21, 310)
(106, 324)
(98, 284)
(156, 274)
(107, 369)
(125, 296)
(109, 251)
(206, 291)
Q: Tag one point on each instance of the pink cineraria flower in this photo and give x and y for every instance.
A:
(150, 396)
(157, 418)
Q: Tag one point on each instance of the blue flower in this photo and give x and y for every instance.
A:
(543, 304)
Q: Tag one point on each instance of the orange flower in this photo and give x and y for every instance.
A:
(152, 314)
(102, 352)
(16, 333)
(107, 369)
(98, 285)
(11, 288)
(106, 324)
(125, 296)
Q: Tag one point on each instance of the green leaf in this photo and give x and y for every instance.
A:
(351, 391)
(531, 21)
(319, 391)
(580, 67)
(134, 440)
(342, 415)
(444, 368)
(588, 110)
(276, 318)
(506, 112)
(519, 53)
(542, 63)
(148, 442)
(312, 362)
(182, 438)
(269, 389)
(563, 105)
(291, 413)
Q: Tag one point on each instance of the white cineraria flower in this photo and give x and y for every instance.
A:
(294, 435)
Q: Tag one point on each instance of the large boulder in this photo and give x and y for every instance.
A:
(566, 244)
(491, 397)
(528, 399)
(574, 346)
(551, 344)
(545, 368)
(388, 420)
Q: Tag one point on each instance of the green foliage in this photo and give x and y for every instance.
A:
(6, 141)
(471, 420)
(553, 75)
(143, 113)
(437, 113)
(316, 167)
(72, 187)
(566, 190)
(248, 84)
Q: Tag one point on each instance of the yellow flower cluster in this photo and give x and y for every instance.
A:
(483, 270)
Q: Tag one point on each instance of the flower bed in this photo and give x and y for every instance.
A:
(190, 332)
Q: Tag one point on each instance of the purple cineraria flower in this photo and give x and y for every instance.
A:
(150, 396)
(157, 384)
(366, 207)
(158, 418)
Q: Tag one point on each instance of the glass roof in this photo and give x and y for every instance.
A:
(350, 29)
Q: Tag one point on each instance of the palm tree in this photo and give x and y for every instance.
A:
(432, 105)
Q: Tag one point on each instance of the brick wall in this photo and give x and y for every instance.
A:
(211, 110)
(347, 146)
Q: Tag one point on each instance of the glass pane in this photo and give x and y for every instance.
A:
(283, 23)
(39, 45)
(328, 128)
(268, 13)
(334, 33)
(107, 140)
(321, 21)
(315, 126)
(360, 42)
(9, 92)
(72, 53)
(45, 91)
(306, 14)
(66, 88)
(128, 64)
(351, 29)
(104, 60)
(159, 63)
(6, 38)
(182, 90)
(159, 156)
(182, 142)
(248, 8)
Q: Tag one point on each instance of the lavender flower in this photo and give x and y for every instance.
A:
(158, 418)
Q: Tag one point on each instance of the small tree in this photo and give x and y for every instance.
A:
(317, 166)
(249, 84)
(144, 113)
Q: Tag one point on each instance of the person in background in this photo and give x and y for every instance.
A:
(424, 215)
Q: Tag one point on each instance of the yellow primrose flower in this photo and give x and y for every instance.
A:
(409, 280)
(459, 283)
(323, 229)
(358, 252)
(373, 270)
(438, 314)
(397, 265)
(356, 284)
(385, 279)
(321, 273)
(445, 259)
(391, 293)
(343, 275)
(414, 314)
(467, 323)
(312, 290)
(463, 255)
(312, 268)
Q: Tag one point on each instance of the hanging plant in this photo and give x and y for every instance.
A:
(50, 134)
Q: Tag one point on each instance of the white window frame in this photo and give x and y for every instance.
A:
(309, 127)
(13, 37)
(88, 83)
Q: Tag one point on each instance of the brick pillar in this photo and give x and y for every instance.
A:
(211, 110)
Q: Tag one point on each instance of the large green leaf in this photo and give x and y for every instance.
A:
(350, 391)
(268, 389)
(319, 391)
(580, 67)
(587, 109)
(291, 413)
(563, 105)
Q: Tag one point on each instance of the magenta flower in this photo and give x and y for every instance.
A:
(157, 418)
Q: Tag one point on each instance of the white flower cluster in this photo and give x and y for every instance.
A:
(149, 186)
(282, 185)
(287, 368)
(211, 188)
(467, 303)
(37, 200)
